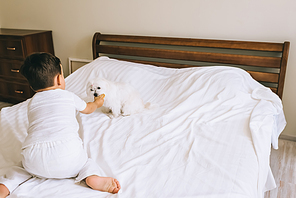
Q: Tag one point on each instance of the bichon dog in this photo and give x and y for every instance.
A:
(120, 98)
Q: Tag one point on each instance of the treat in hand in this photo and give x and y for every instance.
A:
(102, 96)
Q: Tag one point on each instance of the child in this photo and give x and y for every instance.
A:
(53, 148)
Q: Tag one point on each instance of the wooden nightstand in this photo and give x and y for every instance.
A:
(15, 45)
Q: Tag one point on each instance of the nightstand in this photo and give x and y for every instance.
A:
(15, 45)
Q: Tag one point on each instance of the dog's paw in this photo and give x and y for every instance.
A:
(115, 115)
(110, 115)
(105, 110)
(126, 114)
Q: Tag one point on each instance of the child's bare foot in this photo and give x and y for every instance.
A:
(4, 192)
(105, 184)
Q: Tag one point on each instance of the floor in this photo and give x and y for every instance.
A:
(283, 165)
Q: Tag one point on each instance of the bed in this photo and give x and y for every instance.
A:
(217, 112)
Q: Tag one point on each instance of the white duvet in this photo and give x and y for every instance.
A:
(209, 136)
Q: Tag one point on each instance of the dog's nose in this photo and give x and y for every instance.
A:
(95, 94)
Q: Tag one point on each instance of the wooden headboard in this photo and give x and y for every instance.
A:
(266, 62)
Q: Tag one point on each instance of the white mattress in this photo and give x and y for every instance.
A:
(209, 134)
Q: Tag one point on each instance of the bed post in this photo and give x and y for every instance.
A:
(95, 42)
(284, 61)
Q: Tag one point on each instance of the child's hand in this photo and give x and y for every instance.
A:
(92, 106)
(99, 100)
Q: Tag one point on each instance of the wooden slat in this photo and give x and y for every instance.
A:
(273, 89)
(264, 77)
(192, 56)
(228, 44)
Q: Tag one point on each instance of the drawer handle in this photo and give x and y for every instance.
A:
(15, 70)
(11, 48)
(19, 91)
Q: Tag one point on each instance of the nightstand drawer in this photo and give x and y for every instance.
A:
(15, 91)
(11, 48)
(3, 88)
(11, 68)
(19, 90)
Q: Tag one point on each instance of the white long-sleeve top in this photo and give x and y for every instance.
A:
(52, 116)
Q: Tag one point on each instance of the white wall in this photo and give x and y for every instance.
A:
(74, 22)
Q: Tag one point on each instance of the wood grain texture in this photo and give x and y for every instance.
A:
(283, 165)
(259, 61)
(15, 46)
(284, 61)
(4, 104)
(229, 44)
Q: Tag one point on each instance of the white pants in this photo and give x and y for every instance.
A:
(58, 159)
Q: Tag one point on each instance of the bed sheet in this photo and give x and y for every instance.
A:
(208, 135)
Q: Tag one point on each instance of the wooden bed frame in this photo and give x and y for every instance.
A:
(266, 62)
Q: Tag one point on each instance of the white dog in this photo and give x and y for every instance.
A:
(120, 98)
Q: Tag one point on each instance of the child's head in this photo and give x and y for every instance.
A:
(40, 69)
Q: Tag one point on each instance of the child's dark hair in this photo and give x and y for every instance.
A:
(40, 70)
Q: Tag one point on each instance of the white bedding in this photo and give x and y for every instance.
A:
(209, 136)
